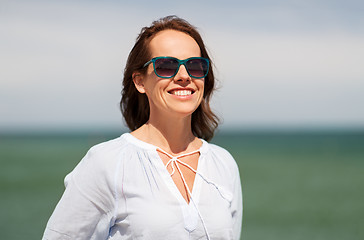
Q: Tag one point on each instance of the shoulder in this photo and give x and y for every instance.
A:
(104, 157)
(102, 163)
(221, 153)
(112, 145)
(223, 158)
(215, 149)
(111, 150)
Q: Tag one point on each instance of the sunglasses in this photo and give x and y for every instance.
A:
(167, 67)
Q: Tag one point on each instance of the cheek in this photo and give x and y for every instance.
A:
(201, 85)
(154, 88)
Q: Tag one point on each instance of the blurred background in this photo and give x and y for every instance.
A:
(291, 96)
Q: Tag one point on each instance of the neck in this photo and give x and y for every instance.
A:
(173, 135)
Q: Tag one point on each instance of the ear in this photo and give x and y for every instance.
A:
(138, 82)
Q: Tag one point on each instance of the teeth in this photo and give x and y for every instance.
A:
(182, 92)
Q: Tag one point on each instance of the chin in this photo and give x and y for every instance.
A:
(184, 112)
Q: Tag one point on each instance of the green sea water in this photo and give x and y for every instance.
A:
(296, 185)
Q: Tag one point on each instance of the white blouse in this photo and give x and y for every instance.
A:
(122, 190)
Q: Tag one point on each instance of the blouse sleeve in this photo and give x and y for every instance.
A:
(237, 206)
(85, 210)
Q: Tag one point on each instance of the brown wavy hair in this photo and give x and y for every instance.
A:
(135, 106)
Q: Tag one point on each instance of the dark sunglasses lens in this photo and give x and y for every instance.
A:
(166, 67)
(197, 67)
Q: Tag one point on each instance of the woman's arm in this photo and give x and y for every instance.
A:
(86, 208)
(237, 206)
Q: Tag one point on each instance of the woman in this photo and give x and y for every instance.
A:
(162, 180)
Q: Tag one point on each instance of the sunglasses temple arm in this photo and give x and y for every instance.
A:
(147, 63)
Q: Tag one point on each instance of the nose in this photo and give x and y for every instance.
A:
(182, 74)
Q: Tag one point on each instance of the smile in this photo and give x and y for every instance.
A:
(181, 92)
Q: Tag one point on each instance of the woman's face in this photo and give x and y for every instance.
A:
(181, 94)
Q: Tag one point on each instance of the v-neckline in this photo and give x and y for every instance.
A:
(173, 186)
(166, 175)
(189, 209)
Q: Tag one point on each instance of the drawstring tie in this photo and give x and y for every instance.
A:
(174, 162)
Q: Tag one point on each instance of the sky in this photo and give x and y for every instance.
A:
(279, 64)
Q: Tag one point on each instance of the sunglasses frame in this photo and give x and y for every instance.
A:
(180, 62)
